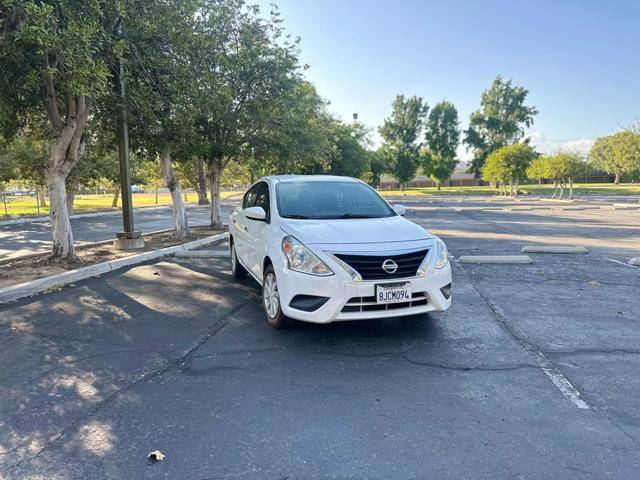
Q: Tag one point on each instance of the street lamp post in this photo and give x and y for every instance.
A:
(128, 239)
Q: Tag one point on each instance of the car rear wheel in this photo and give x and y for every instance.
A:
(237, 271)
(271, 300)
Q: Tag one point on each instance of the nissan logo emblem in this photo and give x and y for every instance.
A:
(389, 266)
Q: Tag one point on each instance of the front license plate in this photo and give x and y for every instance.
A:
(393, 293)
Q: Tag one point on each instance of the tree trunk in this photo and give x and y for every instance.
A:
(42, 196)
(515, 193)
(561, 190)
(60, 224)
(202, 184)
(215, 170)
(157, 196)
(71, 195)
(555, 187)
(511, 187)
(571, 189)
(4, 201)
(116, 195)
(438, 186)
(170, 181)
(617, 179)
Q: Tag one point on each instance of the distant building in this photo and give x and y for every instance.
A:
(460, 178)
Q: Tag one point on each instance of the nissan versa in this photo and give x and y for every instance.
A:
(328, 249)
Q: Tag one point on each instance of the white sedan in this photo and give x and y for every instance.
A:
(328, 249)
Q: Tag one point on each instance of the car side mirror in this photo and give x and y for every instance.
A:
(400, 209)
(256, 213)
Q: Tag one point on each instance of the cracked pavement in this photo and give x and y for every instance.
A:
(173, 355)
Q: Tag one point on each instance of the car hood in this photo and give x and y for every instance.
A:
(355, 231)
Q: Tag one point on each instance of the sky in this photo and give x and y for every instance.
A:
(580, 59)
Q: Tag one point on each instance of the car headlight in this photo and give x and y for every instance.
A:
(301, 259)
(442, 254)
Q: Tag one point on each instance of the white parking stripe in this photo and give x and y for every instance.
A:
(561, 382)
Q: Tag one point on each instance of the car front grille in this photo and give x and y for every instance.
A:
(368, 304)
(370, 266)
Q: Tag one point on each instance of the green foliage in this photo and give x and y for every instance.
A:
(297, 139)
(246, 71)
(442, 137)
(400, 133)
(508, 164)
(617, 154)
(48, 41)
(349, 156)
(500, 121)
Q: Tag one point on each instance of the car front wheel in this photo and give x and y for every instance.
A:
(271, 300)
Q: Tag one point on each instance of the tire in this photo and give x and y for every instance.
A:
(271, 300)
(238, 272)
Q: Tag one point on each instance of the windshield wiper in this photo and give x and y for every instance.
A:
(354, 215)
(297, 217)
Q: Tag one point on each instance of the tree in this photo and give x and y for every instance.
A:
(400, 133)
(299, 138)
(377, 167)
(508, 164)
(348, 156)
(538, 169)
(245, 69)
(562, 168)
(500, 121)
(442, 137)
(52, 64)
(158, 48)
(617, 154)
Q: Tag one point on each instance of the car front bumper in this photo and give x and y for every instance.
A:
(349, 299)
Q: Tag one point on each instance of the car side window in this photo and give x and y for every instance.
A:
(249, 199)
(262, 200)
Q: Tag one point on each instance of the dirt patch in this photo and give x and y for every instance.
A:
(19, 271)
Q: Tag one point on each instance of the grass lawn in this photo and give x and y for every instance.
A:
(578, 189)
(19, 206)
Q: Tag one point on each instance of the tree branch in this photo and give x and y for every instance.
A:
(51, 102)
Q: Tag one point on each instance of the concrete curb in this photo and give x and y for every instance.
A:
(495, 259)
(203, 254)
(40, 285)
(553, 249)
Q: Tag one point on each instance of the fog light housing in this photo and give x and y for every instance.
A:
(446, 291)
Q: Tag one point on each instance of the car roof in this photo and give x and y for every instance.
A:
(308, 178)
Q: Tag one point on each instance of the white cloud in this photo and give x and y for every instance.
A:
(546, 145)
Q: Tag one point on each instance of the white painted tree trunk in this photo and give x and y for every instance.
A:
(170, 181)
(64, 155)
(60, 224)
(215, 170)
(41, 196)
(571, 189)
(116, 195)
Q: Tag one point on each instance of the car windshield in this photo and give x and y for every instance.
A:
(330, 200)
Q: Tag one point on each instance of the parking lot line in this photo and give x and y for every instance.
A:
(495, 259)
(562, 383)
(553, 249)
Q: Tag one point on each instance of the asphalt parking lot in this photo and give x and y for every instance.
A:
(533, 372)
